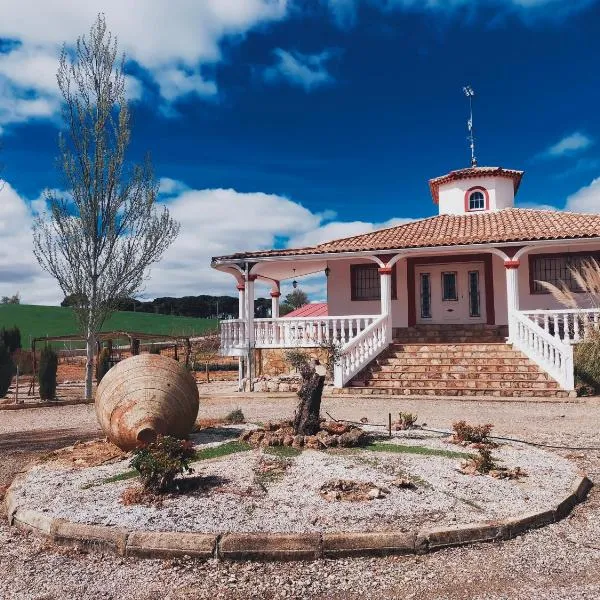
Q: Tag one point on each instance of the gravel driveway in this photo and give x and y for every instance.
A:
(561, 561)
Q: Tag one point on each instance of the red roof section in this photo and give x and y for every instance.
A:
(315, 309)
(472, 173)
(492, 227)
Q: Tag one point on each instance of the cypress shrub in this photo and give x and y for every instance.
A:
(47, 373)
(103, 364)
(7, 369)
(11, 338)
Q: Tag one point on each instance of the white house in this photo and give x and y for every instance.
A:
(446, 305)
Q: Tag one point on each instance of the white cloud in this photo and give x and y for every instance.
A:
(587, 199)
(171, 41)
(213, 222)
(570, 144)
(19, 270)
(340, 229)
(308, 71)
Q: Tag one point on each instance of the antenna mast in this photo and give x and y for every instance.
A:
(470, 94)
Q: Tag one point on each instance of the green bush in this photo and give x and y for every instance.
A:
(235, 417)
(161, 461)
(47, 373)
(587, 366)
(103, 364)
(11, 338)
(7, 369)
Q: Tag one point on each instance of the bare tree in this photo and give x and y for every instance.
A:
(208, 348)
(100, 239)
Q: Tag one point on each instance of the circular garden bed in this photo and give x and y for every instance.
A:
(406, 486)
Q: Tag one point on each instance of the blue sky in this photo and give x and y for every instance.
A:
(284, 123)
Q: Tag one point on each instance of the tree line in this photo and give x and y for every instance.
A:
(203, 306)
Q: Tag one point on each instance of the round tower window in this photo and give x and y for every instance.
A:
(477, 201)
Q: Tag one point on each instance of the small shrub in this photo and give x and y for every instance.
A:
(297, 359)
(587, 365)
(483, 461)
(47, 373)
(11, 338)
(406, 420)
(235, 417)
(160, 462)
(473, 434)
(103, 364)
(7, 369)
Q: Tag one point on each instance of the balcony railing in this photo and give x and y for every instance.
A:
(570, 326)
(302, 332)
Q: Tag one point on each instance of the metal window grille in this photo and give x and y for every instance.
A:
(557, 270)
(474, 294)
(425, 296)
(449, 289)
(366, 284)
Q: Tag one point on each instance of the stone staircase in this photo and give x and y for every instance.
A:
(451, 360)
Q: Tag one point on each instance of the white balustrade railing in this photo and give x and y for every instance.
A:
(306, 332)
(570, 326)
(360, 351)
(549, 352)
(233, 335)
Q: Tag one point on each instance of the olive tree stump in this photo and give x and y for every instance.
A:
(307, 419)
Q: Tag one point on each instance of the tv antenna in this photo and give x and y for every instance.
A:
(470, 94)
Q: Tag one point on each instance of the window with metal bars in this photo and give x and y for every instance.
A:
(365, 282)
(556, 269)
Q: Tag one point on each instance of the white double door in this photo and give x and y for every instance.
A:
(450, 293)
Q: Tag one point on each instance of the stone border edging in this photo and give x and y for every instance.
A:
(48, 404)
(281, 546)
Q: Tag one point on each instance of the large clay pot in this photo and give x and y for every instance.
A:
(144, 396)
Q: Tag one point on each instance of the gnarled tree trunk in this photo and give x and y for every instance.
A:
(306, 421)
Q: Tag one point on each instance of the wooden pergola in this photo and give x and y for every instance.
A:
(135, 339)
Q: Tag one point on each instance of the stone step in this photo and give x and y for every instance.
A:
(447, 347)
(416, 359)
(485, 367)
(428, 392)
(460, 376)
(471, 384)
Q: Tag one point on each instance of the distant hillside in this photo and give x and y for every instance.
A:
(38, 321)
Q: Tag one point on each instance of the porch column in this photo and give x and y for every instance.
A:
(385, 276)
(242, 301)
(249, 318)
(512, 294)
(275, 295)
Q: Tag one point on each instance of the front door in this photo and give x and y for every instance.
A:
(450, 293)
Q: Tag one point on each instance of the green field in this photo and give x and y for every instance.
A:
(39, 321)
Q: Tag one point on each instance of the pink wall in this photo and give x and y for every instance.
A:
(339, 302)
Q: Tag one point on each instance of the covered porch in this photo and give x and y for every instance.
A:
(373, 297)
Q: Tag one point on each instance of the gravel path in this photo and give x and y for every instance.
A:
(557, 562)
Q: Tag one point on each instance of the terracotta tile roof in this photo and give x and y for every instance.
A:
(471, 173)
(315, 309)
(497, 227)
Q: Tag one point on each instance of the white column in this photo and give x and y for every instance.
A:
(242, 301)
(275, 295)
(385, 274)
(249, 310)
(512, 294)
(249, 318)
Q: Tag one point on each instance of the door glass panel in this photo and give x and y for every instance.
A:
(449, 289)
(474, 294)
(425, 296)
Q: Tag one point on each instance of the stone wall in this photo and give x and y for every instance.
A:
(270, 362)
